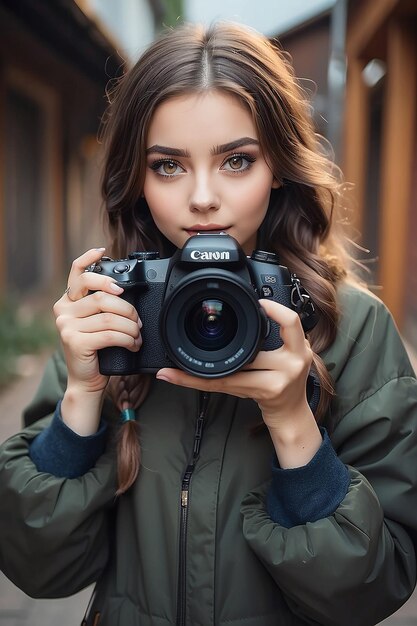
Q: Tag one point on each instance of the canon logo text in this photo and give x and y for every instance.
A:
(196, 255)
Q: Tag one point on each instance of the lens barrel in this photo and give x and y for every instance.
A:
(211, 323)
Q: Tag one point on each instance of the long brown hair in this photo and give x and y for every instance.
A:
(302, 221)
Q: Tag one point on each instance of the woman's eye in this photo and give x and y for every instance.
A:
(238, 163)
(167, 168)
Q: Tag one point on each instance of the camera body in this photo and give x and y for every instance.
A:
(200, 308)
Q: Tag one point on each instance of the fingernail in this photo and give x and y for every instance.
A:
(99, 249)
(115, 287)
(163, 377)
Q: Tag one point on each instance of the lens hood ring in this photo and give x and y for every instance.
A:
(208, 285)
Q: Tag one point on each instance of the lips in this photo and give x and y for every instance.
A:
(206, 228)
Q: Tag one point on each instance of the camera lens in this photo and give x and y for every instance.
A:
(211, 324)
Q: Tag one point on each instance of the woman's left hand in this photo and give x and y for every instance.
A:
(277, 381)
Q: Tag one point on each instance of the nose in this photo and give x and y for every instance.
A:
(203, 195)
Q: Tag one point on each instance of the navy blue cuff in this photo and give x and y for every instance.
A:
(309, 493)
(60, 451)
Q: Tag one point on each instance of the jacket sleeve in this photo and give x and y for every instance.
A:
(357, 565)
(54, 531)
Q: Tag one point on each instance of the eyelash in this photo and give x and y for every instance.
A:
(157, 164)
(238, 155)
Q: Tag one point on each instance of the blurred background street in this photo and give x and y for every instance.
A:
(357, 60)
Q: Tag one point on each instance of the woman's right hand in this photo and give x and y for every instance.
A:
(86, 323)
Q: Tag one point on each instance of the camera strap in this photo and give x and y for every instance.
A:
(303, 304)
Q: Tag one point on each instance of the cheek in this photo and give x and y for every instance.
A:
(255, 198)
(158, 199)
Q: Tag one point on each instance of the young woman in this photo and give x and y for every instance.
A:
(251, 502)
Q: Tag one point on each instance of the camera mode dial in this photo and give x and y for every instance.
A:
(144, 256)
(265, 257)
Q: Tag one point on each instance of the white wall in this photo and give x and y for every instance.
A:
(131, 23)
(267, 16)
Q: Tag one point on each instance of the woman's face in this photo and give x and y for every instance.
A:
(205, 169)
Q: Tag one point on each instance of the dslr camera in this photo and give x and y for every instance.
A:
(200, 308)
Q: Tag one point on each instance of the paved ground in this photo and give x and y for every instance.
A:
(17, 609)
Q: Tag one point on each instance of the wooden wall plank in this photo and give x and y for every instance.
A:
(397, 155)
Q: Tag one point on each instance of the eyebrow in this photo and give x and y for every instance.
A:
(216, 150)
(168, 151)
(232, 145)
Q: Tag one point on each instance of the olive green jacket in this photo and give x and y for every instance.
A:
(237, 567)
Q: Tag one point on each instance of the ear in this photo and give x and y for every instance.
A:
(276, 184)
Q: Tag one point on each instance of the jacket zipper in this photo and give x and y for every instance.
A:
(185, 502)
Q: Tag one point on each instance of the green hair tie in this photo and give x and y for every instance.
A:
(127, 415)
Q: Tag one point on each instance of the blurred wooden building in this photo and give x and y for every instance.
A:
(53, 65)
(56, 61)
(362, 56)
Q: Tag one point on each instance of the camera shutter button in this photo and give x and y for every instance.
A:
(121, 268)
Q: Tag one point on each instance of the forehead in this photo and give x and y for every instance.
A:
(215, 116)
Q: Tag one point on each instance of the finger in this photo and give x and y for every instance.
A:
(81, 342)
(278, 359)
(291, 330)
(79, 289)
(99, 302)
(270, 360)
(101, 322)
(91, 281)
(236, 384)
(80, 264)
